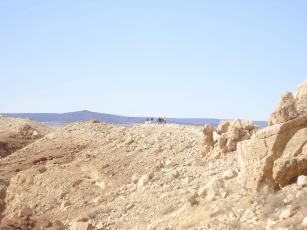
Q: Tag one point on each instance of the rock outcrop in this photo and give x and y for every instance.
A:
(257, 155)
(276, 155)
(225, 138)
(285, 111)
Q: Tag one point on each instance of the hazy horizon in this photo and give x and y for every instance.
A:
(187, 59)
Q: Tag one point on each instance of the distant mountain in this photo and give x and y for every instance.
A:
(84, 115)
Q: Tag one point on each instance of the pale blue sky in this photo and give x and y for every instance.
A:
(186, 59)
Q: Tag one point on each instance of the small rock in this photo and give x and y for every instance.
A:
(42, 169)
(150, 227)
(229, 174)
(25, 212)
(83, 218)
(286, 214)
(35, 134)
(130, 206)
(211, 189)
(170, 164)
(80, 226)
(143, 181)
(65, 204)
(135, 178)
(102, 185)
(58, 225)
(304, 222)
(302, 180)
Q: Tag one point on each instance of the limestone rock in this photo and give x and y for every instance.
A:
(293, 161)
(231, 145)
(170, 164)
(24, 127)
(285, 111)
(135, 178)
(94, 121)
(223, 126)
(65, 204)
(229, 174)
(208, 138)
(25, 212)
(143, 181)
(305, 222)
(222, 141)
(35, 134)
(80, 226)
(300, 96)
(83, 218)
(286, 214)
(211, 189)
(102, 185)
(216, 137)
(302, 180)
(233, 133)
(256, 156)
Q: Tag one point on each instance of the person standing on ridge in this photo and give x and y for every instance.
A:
(164, 120)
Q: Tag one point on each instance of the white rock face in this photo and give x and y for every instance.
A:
(302, 180)
(211, 189)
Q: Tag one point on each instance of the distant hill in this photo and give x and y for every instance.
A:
(84, 115)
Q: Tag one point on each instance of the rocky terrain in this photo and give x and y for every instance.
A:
(94, 175)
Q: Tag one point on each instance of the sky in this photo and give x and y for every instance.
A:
(181, 59)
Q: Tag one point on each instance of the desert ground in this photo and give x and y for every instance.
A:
(94, 175)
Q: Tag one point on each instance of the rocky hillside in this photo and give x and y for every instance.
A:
(94, 175)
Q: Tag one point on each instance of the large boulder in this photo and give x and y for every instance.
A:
(300, 96)
(257, 155)
(293, 161)
(285, 111)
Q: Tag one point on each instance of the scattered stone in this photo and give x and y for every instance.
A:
(229, 174)
(80, 226)
(65, 204)
(286, 214)
(302, 180)
(143, 181)
(25, 212)
(170, 164)
(135, 178)
(211, 189)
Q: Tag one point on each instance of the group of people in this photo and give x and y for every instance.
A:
(160, 120)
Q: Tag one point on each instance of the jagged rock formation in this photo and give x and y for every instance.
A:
(275, 156)
(285, 111)
(224, 139)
